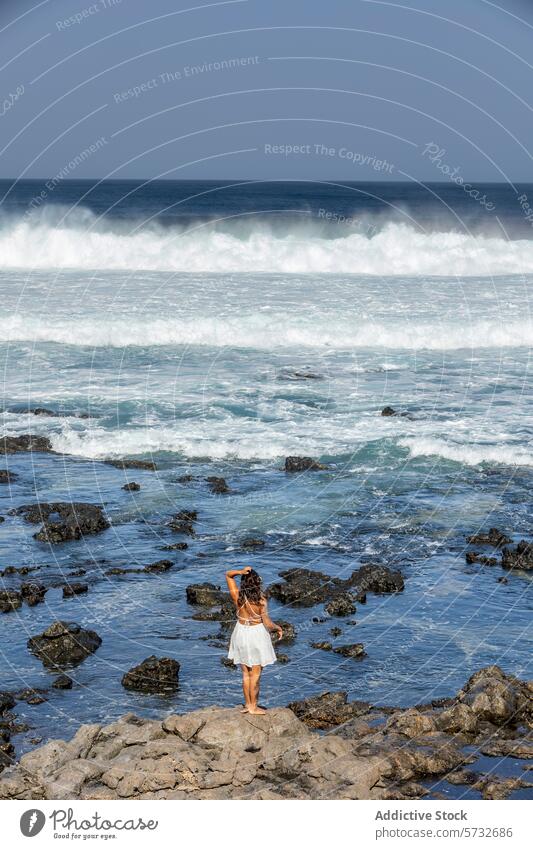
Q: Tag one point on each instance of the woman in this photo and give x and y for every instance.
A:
(250, 645)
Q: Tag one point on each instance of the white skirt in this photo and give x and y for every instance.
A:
(251, 645)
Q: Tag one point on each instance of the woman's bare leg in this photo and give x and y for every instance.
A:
(246, 688)
(255, 679)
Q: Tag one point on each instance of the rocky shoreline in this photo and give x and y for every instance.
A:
(319, 748)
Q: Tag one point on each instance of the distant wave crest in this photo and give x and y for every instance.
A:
(55, 238)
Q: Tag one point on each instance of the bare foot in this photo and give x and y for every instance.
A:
(256, 710)
(244, 710)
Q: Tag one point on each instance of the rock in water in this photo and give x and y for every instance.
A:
(218, 486)
(64, 644)
(520, 557)
(208, 595)
(10, 600)
(153, 675)
(26, 442)
(7, 477)
(76, 588)
(388, 411)
(342, 605)
(148, 465)
(132, 487)
(495, 537)
(73, 521)
(32, 592)
(159, 566)
(62, 682)
(303, 464)
(355, 650)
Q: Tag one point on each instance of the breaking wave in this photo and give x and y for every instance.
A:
(55, 238)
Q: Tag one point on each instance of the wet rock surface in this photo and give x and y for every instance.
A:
(303, 464)
(520, 557)
(64, 644)
(26, 442)
(64, 520)
(214, 753)
(218, 486)
(305, 587)
(494, 538)
(147, 465)
(153, 675)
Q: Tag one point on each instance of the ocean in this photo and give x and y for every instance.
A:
(216, 328)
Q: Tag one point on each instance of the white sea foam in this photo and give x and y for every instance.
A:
(81, 241)
(275, 330)
(470, 455)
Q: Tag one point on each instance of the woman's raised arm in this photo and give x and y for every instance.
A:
(230, 580)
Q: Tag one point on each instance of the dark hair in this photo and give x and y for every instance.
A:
(250, 588)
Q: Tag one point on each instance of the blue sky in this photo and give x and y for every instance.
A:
(360, 90)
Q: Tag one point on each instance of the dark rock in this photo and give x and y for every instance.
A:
(207, 595)
(185, 479)
(355, 650)
(7, 477)
(74, 520)
(388, 411)
(225, 661)
(27, 442)
(225, 614)
(289, 632)
(303, 464)
(176, 546)
(10, 600)
(43, 411)
(503, 580)
(77, 573)
(328, 710)
(76, 588)
(148, 465)
(335, 632)
(323, 645)
(18, 570)
(475, 557)
(282, 658)
(495, 538)
(296, 374)
(342, 605)
(62, 682)
(153, 675)
(377, 579)
(159, 566)
(520, 557)
(32, 592)
(64, 643)
(305, 588)
(252, 542)
(217, 485)
(132, 487)
(182, 522)
(6, 702)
